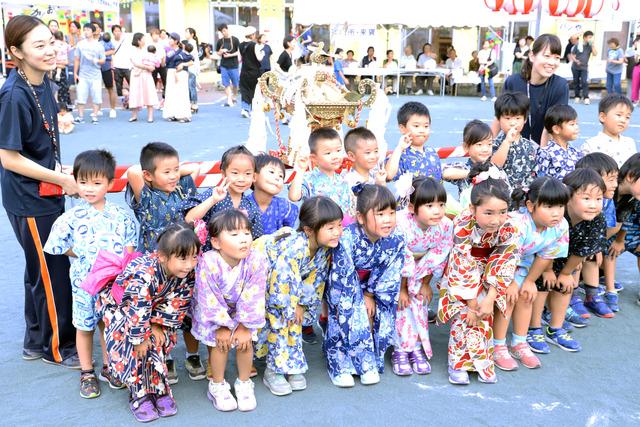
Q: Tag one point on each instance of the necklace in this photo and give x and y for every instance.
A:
(48, 126)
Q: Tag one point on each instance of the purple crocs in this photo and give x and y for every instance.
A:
(400, 362)
(143, 409)
(166, 406)
(419, 362)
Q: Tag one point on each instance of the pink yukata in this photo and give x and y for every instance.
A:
(228, 296)
(433, 246)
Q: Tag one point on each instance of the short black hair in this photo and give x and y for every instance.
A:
(318, 211)
(222, 27)
(544, 190)
(154, 151)
(94, 163)
(286, 41)
(338, 51)
(263, 160)
(375, 197)
(426, 190)
(151, 49)
(135, 40)
(228, 220)
(321, 134)
(389, 51)
(370, 48)
(558, 115)
(581, 179)
(630, 168)
(114, 26)
(612, 100)
(475, 131)
(231, 153)
(188, 47)
(488, 188)
(511, 104)
(587, 33)
(354, 136)
(89, 25)
(599, 162)
(58, 35)
(178, 239)
(412, 108)
(352, 52)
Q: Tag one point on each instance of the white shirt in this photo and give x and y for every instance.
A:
(408, 61)
(620, 149)
(427, 62)
(124, 50)
(483, 56)
(453, 64)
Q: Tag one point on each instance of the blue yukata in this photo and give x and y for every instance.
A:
(157, 209)
(423, 162)
(628, 213)
(359, 266)
(317, 183)
(609, 212)
(86, 231)
(280, 213)
(293, 278)
(555, 161)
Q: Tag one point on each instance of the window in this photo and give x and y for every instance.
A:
(152, 14)
(248, 16)
(125, 16)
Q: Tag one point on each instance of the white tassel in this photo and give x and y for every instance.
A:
(378, 119)
(257, 140)
(299, 135)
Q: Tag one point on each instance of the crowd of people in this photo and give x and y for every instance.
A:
(533, 235)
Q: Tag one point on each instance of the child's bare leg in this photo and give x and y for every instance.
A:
(245, 363)
(84, 345)
(218, 361)
(190, 342)
(537, 309)
(501, 323)
(522, 317)
(609, 269)
(150, 113)
(558, 304)
(103, 344)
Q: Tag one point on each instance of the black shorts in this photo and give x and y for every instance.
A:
(107, 78)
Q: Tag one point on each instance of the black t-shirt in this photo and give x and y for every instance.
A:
(284, 61)
(22, 130)
(555, 91)
(250, 63)
(231, 44)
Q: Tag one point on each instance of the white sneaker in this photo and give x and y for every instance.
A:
(220, 395)
(587, 101)
(112, 114)
(576, 100)
(494, 99)
(297, 382)
(430, 92)
(244, 113)
(276, 383)
(419, 92)
(484, 98)
(343, 380)
(370, 377)
(245, 395)
(100, 113)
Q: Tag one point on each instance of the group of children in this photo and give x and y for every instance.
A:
(231, 269)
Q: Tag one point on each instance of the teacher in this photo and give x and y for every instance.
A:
(29, 154)
(538, 81)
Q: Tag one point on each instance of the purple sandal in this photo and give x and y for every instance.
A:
(166, 406)
(419, 362)
(143, 409)
(400, 362)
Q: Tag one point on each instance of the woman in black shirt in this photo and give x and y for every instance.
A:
(250, 71)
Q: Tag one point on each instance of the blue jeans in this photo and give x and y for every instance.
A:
(613, 83)
(193, 92)
(581, 82)
(492, 88)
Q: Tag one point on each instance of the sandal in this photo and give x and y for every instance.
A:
(143, 409)
(400, 362)
(166, 406)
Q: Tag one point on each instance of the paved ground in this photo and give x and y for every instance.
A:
(597, 387)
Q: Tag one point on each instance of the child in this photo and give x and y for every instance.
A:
(615, 65)
(614, 112)
(65, 119)
(362, 150)
(151, 59)
(228, 306)
(543, 236)
(298, 265)
(558, 157)
(81, 233)
(411, 155)
(60, 73)
(238, 170)
(141, 330)
(276, 212)
(156, 191)
(512, 152)
(477, 143)
(481, 266)
(429, 237)
(362, 290)
(587, 230)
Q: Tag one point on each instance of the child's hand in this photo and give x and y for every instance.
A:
(158, 334)
(549, 279)
(223, 339)
(405, 141)
(299, 314)
(370, 303)
(528, 292)
(403, 299)
(142, 348)
(242, 338)
(302, 164)
(567, 283)
(425, 294)
(511, 294)
(485, 309)
(220, 192)
(512, 136)
(381, 176)
(472, 318)
(616, 249)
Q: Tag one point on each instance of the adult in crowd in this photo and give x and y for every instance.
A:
(474, 63)
(487, 70)
(121, 62)
(74, 37)
(427, 61)
(519, 53)
(633, 70)
(227, 49)
(30, 154)
(573, 40)
(251, 55)
(580, 54)
(194, 70)
(265, 63)
(407, 62)
(54, 26)
(87, 73)
(177, 106)
(106, 68)
(160, 72)
(285, 60)
(142, 88)
(390, 81)
(454, 65)
(542, 86)
(350, 62)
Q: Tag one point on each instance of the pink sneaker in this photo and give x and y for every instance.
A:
(503, 359)
(523, 353)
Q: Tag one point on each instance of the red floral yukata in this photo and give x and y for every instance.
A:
(477, 262)
(149, 297)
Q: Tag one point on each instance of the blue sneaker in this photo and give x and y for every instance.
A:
(562, 339)
(578, 306)
(597, 305)
(535, 339)
(546, 320)
(574, 319)
(611, 299)
(618, 285)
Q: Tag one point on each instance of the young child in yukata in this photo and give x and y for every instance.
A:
(362, 291)
(361, 147)
(298, 265)
(512, 152)
(411, 155)
(141, 329)
(559, 157)
(277, 212)
(544, 236)
(481, 267)
(238, 170)
(614, 112)
(429, 237)
(156, 190)
(228, 306)
(587, 230)
(80, 233)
